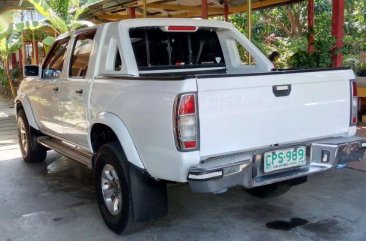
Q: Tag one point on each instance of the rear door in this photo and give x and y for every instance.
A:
(245, 112)
(75, 90)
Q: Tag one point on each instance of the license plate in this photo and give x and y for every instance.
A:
(282, 159)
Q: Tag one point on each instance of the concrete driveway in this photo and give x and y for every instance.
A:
(55, 200)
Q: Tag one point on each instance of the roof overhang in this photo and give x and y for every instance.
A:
(6, 5)
(112, 10)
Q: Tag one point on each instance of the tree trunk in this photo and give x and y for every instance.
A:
(294, 28)
(277, 23)
(7, 72)
(24, 59)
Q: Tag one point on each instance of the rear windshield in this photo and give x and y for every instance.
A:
(157, 49)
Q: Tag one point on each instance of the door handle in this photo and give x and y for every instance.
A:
(281, 90)
(79, 91)
(55, 89)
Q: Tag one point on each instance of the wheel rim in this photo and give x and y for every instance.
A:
(23, 136)
(111, 189)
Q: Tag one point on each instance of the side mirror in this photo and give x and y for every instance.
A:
(31, 70)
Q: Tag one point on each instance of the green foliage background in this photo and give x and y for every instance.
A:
(271, 33)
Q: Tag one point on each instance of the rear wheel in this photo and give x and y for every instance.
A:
(114, 190)
(31, 150)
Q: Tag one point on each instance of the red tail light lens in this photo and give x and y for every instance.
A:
(182, 28)
(354, 88)
(187, 105)
(190, 144)
(354, 104)
(186, 122)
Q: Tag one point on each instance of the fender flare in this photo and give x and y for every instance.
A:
(119, 128)
(23, 100)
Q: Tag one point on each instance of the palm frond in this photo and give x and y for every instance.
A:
(76, 24)
(21, 26)
(82, 9)
(46, 11)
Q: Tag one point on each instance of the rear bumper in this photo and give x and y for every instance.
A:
(246, 169)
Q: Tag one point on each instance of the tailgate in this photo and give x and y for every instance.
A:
(243, 112)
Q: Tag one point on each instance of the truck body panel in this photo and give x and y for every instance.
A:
(237, 106)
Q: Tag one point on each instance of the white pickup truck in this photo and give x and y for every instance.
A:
(147, 102)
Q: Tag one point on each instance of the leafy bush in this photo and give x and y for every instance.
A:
(355, 54)
(362, 69)
(15, 73)
(321, 58)
(358, 65)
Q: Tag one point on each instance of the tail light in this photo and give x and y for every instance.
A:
(354, 104)
(186, 122)
(180, 28)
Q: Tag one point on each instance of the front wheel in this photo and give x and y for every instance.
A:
(30, 149)
(113, 189)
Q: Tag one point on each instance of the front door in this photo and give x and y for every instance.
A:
(45, 96)
(75, 90)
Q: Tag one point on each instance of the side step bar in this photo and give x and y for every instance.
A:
(67, 150)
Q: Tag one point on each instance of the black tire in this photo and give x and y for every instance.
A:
(123, 221)
(270, 191)
(31, 150)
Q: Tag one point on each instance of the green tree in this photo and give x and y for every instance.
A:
(7, 46)
(284, 29)
(57, 13)
(10, 41)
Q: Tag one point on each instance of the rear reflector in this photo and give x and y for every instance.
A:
(354, 120)
(182, 28)
(189, 144)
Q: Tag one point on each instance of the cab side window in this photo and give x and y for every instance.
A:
(80, 54)
(54, 62)
(117, 61)
(244, 55)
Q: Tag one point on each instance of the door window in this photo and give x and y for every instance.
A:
(80, 54)
(54, 62)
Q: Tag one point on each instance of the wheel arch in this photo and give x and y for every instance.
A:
(119, 129)
(22, 102)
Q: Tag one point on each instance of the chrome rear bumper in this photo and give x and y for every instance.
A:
(246, 169)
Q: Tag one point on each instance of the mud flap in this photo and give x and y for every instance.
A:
(149, 196)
